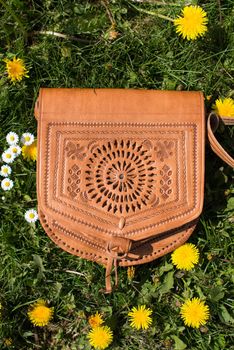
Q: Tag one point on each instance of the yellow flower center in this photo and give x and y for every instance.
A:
(5, 170)
(32, 216)
(140, 317)
(7, 183)
(100, 337)
(40, 315)
(8, 155)
(27, 138)
(12, 138)
(15, 68)
(30, 152)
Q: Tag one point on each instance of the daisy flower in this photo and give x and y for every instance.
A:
(7, 184)
(193, 23)
(100, 337)
(31, 215)
(16, 69)
(12, 138)
(27, 138)
(15, 149)
(95, 320)
(40, 314)
(224, 107)
(8, 156)
(30, 152)
(185, 257)
(194, 312)
(140, 317)
(5, 170)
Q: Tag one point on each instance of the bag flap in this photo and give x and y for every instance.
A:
(127, 163)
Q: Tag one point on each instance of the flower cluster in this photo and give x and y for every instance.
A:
(193, 312)
(100, 337)
(28, 150)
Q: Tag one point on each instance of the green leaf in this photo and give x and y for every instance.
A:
(38, 261)
(165, 268)
(230, 203)
(179, 344)
(216, 293)
(227, 318)
(167, 283)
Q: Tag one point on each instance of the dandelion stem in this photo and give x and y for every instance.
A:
(153, 13)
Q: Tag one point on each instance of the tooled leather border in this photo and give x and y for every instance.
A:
(122, 124)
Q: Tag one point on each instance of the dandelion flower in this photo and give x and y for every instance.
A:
(224, 107)
(7, 184)
(194, 312)
(193, 23)
(16, 69)
(27, 138)
(8, 156)
(131, 272)
(30, 152)
(31, 215)
(40, 314)
(12, 138)
(140, 317)
(185, 257)
(8, 341)
(95, 320)
(5, 170)
(100, 337)
(15, 149)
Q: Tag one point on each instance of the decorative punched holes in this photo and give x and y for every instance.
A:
(73, 187)
(165, 182)
(120, 176)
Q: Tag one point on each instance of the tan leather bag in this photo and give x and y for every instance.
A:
(120, 173)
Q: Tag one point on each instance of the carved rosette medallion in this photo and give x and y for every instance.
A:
(120, 176)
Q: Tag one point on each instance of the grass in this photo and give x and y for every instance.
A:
(146, 54)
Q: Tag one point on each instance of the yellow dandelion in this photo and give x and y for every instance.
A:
(95, 320)
(100, 337)
(40, 314)
(131, 272)
(140, 317)
(194, 312)
(193, 23)
(185, 257)
(8, 341)
(30, 152)
(16, 69)
(224, 107)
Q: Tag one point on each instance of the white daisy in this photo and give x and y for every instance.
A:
(31, 215)
(5, 170)
(7, 184)
(27, 139)
(12, 138)
(8, 156)
(15, 149)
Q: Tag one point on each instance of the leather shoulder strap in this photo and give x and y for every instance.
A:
(212, 125)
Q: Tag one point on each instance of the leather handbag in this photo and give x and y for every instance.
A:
(120, 173)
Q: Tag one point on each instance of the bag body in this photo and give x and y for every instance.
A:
(120, 173)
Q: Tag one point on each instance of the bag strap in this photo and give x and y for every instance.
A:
(212, 125)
